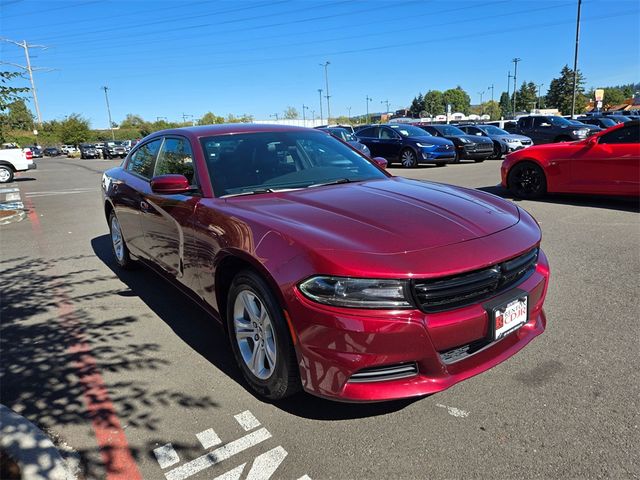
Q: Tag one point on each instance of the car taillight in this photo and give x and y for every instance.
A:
(29, 154)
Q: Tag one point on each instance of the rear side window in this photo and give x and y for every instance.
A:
(368, 132)
(142, 161)
(176, 158)
(629, 134)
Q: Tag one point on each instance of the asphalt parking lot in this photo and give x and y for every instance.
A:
(134, 380)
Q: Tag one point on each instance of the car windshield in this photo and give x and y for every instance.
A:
(559, 121)
(409, 131)
(620, 118)
(342, 134)
(607, 122)
(263, 162)
(450, 131)
(491, 130)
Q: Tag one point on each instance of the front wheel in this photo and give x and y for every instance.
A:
(6, 174)
(497, 151)
(479, 160)
(260, 338)
(120, 250)
(408, 158)
(527, 180)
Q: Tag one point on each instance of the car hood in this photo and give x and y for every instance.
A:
(386, 216)
(512, 135)
(475, 138)
(432, 139)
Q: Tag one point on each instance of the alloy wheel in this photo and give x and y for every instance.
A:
(5, 174)
(528, 181)
(116, 239)
(254, 333)
(408, 158)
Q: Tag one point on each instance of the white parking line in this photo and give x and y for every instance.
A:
(166, 455)
(218, 455)
(264, 465)
(232, 474)
(453, 411)
(247, 421)
(208, 438)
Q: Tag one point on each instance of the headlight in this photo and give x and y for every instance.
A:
(464, 140)
(356, 292)
(425, 145)
(580, 133)
(510, 140)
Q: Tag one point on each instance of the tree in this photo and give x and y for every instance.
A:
(73, 130)
(458, 98)
(560, 94)
(9, 94)
(613, 96)
(434, 102)
(132, 121)
(492, 108)
(527, 97)
(417, 105)
(505, 105)
(210, 118)
(18, 116)
(290, 113)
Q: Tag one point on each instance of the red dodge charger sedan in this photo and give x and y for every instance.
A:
(607, 163)
(326, 272)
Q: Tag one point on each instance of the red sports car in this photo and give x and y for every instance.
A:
(326, 272)
(607, 163)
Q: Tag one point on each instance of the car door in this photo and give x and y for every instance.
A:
(369, 136)
(128, 194)
(167, 219)
(543, 130)
(609, 164)
(390, 143)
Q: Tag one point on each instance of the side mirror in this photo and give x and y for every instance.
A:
(381, 162)
(169, 184)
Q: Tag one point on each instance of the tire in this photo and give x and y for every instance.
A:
(260, 338)
(479, 160)
(527, 180)
(497, 151)
(408, 158)
(6, 174)
(118, 245)
(456, 158)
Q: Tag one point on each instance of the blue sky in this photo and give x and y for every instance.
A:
(169, 58)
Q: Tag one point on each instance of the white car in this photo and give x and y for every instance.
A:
(68, 149)
(14, 160)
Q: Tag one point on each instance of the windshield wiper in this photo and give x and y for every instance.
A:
(331, 182)
(257, 191)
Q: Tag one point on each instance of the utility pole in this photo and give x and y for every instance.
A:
(491, 88)
(515, 81)
(304, 118)
(539, 88)
(29, 69)
(349, 110)
(481, 95)
(387, 103)
(320, 94)
(509, 77)
(106, 97)
(326, 80)
(368, 100)
(313, 115)
(575, 62)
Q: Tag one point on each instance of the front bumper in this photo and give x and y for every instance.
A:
(32, 166)
(437, 155)
(475, 151)
(334, 343)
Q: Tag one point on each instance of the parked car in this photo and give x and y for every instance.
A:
(607, 163)
(592, 128)
(506, 125)
(599, 121)
(347, 137)
(467, 146)
(406, 144)
(67, 149)
(51, 152)
(503, 141)
(329, 273)
(36, 152)
(14, 160)
(618, 118)
(549, 129)
(113, 150)
(88, 150)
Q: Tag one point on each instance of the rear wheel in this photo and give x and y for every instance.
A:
(6, 174)
(497, 151)
(260, 337)
(456, 158)
(408, 158)
(119, 246)
(527, 180)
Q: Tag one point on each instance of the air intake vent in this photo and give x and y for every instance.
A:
(388, 372)
(447, 293)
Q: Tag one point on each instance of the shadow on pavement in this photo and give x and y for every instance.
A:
(207, 338)
(594, 201)
(59, 330)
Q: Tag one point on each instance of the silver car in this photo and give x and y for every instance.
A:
(503, 141)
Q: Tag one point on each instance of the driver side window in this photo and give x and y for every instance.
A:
(629, 134)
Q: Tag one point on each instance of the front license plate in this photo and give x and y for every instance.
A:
(510, 317)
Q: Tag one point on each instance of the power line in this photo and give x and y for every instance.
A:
(75, 5)
(29, 69)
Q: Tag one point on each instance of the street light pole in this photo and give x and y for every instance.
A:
(106, 97)
(387, 103)
(481, 94)
(539, 88)
(515, 81)
(320, 93)
(349, 110)
(304, 118)
(326, 80)
(368, 100)
(575, 62)
(491, 87)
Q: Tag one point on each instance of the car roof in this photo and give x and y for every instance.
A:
(229, 128)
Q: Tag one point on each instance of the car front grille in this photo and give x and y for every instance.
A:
(387, 372)
(439, 294)
(525, 142)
